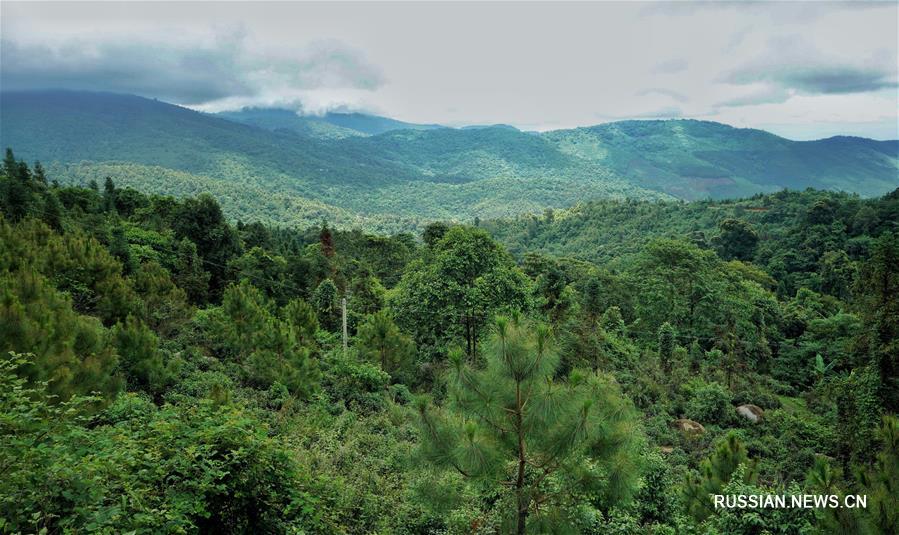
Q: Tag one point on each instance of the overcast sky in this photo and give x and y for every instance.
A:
(804, 70)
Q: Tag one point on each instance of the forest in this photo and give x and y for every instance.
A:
(603, 369)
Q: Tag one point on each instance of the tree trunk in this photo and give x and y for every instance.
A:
(519, 483)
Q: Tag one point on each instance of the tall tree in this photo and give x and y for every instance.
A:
(452, 292)
(201, 221)
(666, 346)
(737, 240)
(544, 440)
(380, 340)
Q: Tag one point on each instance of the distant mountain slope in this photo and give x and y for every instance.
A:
(696, 159)
(392, 181)
(327, 126)
(286, 120)
(373, 124)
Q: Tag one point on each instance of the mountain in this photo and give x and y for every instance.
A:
(696, 159)
(327, 126)
(384, 182)
(275, 166)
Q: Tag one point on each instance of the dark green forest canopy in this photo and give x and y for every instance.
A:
(595, 370)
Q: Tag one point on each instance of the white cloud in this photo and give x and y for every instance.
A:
(811, 66)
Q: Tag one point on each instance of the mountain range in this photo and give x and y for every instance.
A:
(354, 169)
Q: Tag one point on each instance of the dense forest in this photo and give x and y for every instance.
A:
(599, 370)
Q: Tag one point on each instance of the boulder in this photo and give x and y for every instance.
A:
(688, 427)
(751, 412)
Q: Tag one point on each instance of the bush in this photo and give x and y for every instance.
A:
(709, 403)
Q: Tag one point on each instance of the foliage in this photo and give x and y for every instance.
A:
(175, 372)
(565, 439)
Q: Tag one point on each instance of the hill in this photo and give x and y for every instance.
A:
(697, 159)
(385, 175)
(388, 182)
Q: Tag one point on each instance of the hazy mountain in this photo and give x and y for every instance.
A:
(280, 167)
(389, 181)
(696, 159)
(327, 126)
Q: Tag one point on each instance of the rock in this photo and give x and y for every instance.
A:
(688, 427)
(753, 413)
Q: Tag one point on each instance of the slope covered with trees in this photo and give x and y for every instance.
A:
(165, 370)
(698, 159)
(274, 166)
(294, 179)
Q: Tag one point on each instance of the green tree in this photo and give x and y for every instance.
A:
(17, 196)
(201, 220)
(52, 214)
(453, 291)
(188, 272)
(267, 348)
(434, 232)
(265, 270)
(714, 473)
(511, 424)
(72, 353)
(326, 301)
(736, 240)
(880, 288)
(380, 340)
(666, 346)
(109, 195)
(140, 358)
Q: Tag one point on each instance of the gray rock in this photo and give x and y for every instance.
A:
(753, 413)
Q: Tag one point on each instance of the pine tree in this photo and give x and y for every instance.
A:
(52, 211)
(40, 176)
(575, 436)
(327, 306)
(268, 349)
(139, 356)
(714, 473)
(17, 195)
(109, 195)
(119, 247)
(380, 340)
(188, 272)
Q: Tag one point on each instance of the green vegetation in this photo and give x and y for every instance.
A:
(163, 369)
(698, 159)
(360, 171)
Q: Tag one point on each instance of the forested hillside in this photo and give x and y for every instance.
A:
(384, 175)
(282, 177)
(166, 370)
(698, 159)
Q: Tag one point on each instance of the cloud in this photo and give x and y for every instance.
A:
(198, 70)
(666, 112)
(670, 66)
(790, 65)
(818, 79)
(679, 97)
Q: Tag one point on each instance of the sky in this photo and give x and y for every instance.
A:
(803, 70)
